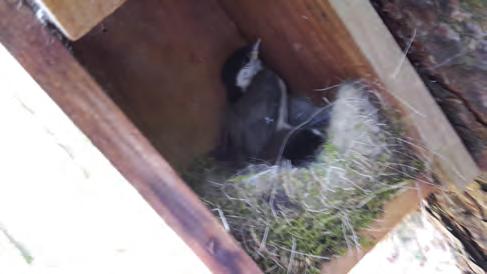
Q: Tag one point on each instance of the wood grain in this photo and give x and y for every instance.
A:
(161, 64)
(70, 86)
(75, 18)
(304, 41)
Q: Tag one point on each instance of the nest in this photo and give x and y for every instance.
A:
(292, 219)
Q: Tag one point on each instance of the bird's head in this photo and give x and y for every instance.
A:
(240, 68)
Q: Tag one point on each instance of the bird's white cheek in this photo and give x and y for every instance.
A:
(243, 79)
(247, 73)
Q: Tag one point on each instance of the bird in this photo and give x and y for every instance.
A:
(263, 122)
(257, 99)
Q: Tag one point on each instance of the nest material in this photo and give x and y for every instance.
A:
(291, 219)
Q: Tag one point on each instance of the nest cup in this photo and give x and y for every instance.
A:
(292, 219)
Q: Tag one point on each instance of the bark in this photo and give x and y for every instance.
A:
(464, 214)
(449, 50)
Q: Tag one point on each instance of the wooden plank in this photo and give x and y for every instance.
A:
(161, 65)
(58, 73)
(394, 212)
(50, 169)
(75, 18)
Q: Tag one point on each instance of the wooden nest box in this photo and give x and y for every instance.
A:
(144, 85)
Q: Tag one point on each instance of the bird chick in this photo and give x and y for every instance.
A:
(258, 125)
(258, 105)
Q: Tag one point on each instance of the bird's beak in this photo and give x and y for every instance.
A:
(255, 50)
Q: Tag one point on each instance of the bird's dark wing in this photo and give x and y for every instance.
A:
(301, 109)
(252, 120)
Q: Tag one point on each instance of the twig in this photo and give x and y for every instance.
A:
(403, 58)
(291, 258)
(264, 239)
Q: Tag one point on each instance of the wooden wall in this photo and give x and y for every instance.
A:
(160, 61)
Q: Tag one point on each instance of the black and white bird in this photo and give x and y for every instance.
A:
(263, 122)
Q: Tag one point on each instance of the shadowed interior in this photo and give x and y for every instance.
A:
(160, 61)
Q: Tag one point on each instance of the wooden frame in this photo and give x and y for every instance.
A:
(76, 18)
(394, 212)
(347, 33)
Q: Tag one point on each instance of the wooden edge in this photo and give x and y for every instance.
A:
(76, 18)
(80, 97)
(451, 161)
(394, 212)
